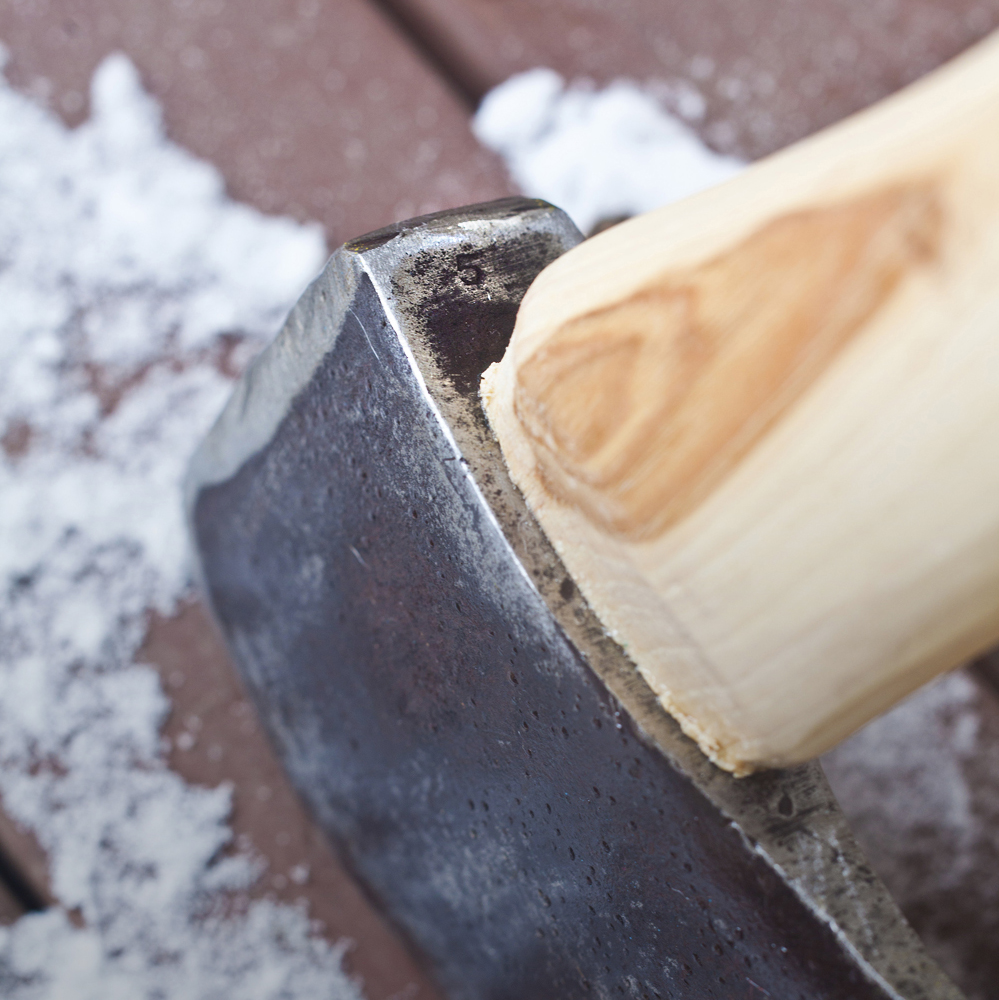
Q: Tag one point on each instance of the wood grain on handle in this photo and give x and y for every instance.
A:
(761, 426)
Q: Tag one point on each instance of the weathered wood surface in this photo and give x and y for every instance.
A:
(769, 71)
(298, 128)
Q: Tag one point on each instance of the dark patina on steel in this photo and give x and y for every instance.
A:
(487, 760)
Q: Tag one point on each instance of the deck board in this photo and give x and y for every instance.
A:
(329, 112)
(770, 71)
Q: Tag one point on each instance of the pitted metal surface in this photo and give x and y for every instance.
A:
(489, 762)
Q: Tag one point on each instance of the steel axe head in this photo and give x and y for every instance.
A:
(486, 758)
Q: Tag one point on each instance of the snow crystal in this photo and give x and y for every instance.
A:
(125, 275)
(597, 154)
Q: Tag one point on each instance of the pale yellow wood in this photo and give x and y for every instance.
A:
(761, 426)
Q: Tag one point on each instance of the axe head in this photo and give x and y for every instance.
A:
(486, 759)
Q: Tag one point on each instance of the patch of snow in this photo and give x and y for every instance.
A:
(122, 264)
(597, 154)
(919, 787)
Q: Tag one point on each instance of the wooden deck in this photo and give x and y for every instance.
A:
(356, 114)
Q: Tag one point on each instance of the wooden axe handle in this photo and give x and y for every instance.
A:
(761, 426)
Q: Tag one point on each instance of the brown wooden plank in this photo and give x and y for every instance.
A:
(320, 110)
(770, 71)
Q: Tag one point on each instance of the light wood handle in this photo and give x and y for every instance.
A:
(761, 426)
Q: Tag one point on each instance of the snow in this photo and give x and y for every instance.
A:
(597, 154)
(122, 264)
(919, 787)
